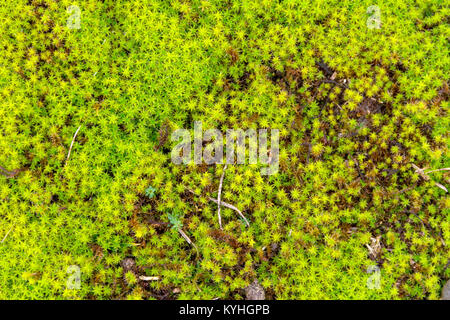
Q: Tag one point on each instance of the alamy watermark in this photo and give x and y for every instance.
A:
(74, 21)
(212, 152)
(74, 280)
(373, 282)
(374, 20)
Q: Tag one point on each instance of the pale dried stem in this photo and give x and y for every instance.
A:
(184, 235)
(424, 175)
(6, 235)
(227, 205)
(145, 278)
(71, 145)
(219, 195)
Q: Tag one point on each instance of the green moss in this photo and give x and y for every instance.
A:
(356, 108)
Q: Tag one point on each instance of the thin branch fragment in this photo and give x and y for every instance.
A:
(7, 234)
(71, 145)
(424, 175)
(219, 195)
(145, 278)
(184, 235)
(9, 174)
(5, 172)
(227, 205)
(441, 186)
(230, 206)
(437, 170)
(420, 172)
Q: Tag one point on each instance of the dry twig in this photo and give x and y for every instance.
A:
(437, 170)
(71, 145)
(375, 247)
(184, 235)
(425, 176)
(9, 174)
(145, 278)
(219, 195)
(230, 206)
(227, 205)
(6, 235)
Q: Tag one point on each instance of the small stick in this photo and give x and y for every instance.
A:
(230, 206)
(9, 174)
(420, 172)
(424, 175)
(441, 186)
(5, 172)
(219, 195)
(6, 235)
(227, 205)
(71, 145)
(184, 235)
(145, 278)
(437, 170)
